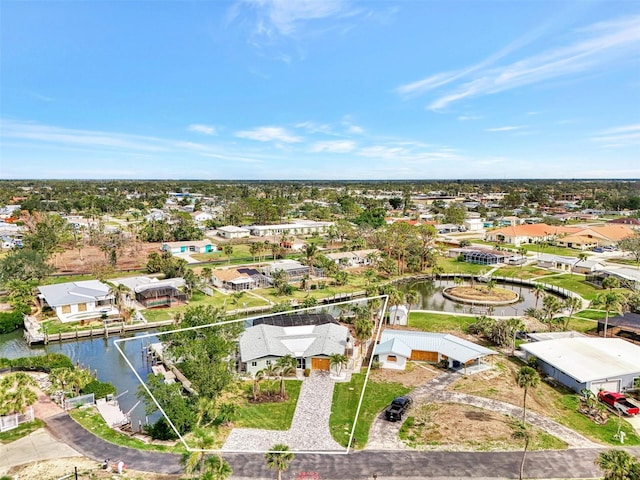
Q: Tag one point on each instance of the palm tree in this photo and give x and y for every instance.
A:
(572, 304)
(538, 290)
(257, 378)
(278, 458)
(515, 325)
(195, 461)
(618, 465)
(286, 366)
(610, 283)
(235, 298)
(551, 305)
(310, 252)
(609, 302)
(120, 293)
(581, 258)
(228, 251)
(411, 297)
(337, 361)
(526, 378)
(522, 433)
(216, 468)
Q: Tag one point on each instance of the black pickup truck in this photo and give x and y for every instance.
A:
(396, 410)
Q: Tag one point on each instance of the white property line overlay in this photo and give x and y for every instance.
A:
(382, 310)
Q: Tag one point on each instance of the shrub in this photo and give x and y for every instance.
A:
(98, 388)
(161, 430)
(532, 362)
(307, 372)
(43, 362)
(10, 321)
(375, 365)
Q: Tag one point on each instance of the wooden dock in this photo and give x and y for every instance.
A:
(35, 337)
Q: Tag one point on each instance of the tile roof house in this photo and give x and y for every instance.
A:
(78, 301)
(312, 345)
(237, 279)
(397, 346)
(528, 233)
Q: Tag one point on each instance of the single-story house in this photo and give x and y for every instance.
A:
(294, 270)
(194, 246)
(595, 236)
(200, 217)
(482, 256)
(302, 227)
(473, 224)
(567, 264)
(311, 345)
(397, 346)
(231, 231)
(528, 233)
(151, 292)
(76, 301)
(238, 279)
(588, 362)
(628, 277)
(356, 258)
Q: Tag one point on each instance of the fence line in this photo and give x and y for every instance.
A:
(74, 402)
(9, 422)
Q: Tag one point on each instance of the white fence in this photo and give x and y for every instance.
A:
(9, 422)
(74, 402)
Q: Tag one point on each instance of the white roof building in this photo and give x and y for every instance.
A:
(588, 362)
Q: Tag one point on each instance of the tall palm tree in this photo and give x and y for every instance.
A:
(526, 378)
(515, 325)
(278, 458)
(551, 305)
(120, 293)
(581, 258)
(609, 302)
(310, 252)
(286, 366)
(538, 290)
(572, 304)
(195, 461)
(228, 251)
(216, 468)
(618, 465)
(411, 297)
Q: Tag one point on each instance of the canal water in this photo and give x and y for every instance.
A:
(97, 354)
(430, 298)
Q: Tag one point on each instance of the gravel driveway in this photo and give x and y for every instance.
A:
(309, 429)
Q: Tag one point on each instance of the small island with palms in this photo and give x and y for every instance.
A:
(487, 294)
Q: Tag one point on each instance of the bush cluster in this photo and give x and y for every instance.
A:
(98, 388)
(10, 321)
(43, 363)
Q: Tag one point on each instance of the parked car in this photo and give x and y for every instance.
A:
(597, 249)
(397, 409)
(619, 402)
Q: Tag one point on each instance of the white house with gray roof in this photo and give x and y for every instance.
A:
(590, 363)
(76, 301)
(311, 345)
(398, 346)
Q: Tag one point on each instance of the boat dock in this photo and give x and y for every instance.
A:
(163, 366)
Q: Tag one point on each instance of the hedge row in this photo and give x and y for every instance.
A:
(10, 321)
(42, 363)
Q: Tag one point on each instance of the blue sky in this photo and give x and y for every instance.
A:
(330, 89)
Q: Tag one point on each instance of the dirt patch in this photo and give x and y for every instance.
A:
(499, 383)
(462, 427)
(414, 375)
(87, 469)
(482, 294)
(130, 257)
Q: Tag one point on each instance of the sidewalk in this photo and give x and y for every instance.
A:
(37, 446)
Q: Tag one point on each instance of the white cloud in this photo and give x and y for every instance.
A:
(200, 128)
(465, 118)
(334, 146)
(268, 134)
(600, 44)
(619, 136)
(506, 128)
(313, 127)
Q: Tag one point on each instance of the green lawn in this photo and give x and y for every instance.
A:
(451, 265)
(22, 431)
(580, 423)
(592, 314)
(345, 403)
(269, 416)
(91, 420)
(574, 282)
(439, 322)
(583, 325)
(526, 272)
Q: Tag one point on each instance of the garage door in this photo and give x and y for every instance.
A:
(424, 356)
(609, 386)
(320, 364)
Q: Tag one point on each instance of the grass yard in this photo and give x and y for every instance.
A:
(574, 282)
(451, 265)
(592, 314)
(22, 431)
(583, 325)
(345, 403)
(269, 416)
(437, 322)
(91, 420)
(525, 272)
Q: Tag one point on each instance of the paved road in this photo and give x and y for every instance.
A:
(388, 465)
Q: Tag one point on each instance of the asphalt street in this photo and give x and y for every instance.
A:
(389, 465)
